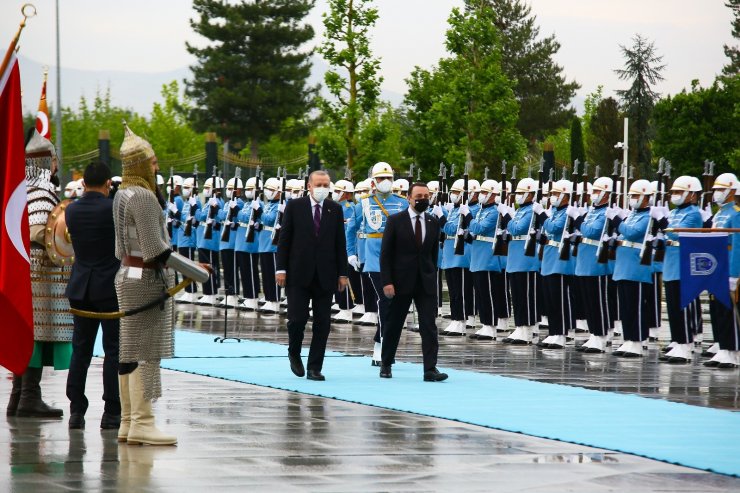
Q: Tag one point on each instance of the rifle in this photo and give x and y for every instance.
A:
(226, 231)
(212, 209)
(418, 174)
(543, 236)
(535, 228)
(646, 250)
(564, 248)
(706, 197)
(584, 184)
(410, 177)
(279, 220)
(498, 247)
(191, 211)
(306, 174)
(485, 173)
(460, 237)
(659, 241)
(254, 215)
(171, 200)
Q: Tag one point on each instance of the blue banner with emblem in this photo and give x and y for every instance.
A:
(705, 265)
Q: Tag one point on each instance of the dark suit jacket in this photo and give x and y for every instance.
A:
(401, 262)
(90, 224)
(302, 254)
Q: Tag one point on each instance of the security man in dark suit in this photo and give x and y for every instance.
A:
(312, 263)
(90, 225)
(408, 271)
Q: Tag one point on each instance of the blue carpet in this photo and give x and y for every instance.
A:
(692, 436)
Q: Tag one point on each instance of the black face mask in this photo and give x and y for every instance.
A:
(421, 205)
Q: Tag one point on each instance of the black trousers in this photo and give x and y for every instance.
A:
(355, 297)
(634, 309)
(695, 320)
(383, 305)
(298, 302)
(460, 286)
(680, 319)
(525, 297)
(344, 299)
(368, 293)
(654, 298)
(558, 290)
(214, 280)
(231, 272)
(613, 299)
(426, 308)
(249, 273)
(595, 300)
(189, 252)
(493, 296)
(83, 341)
(439, 289)
(542, 301)
(269, 286)
(725, 325)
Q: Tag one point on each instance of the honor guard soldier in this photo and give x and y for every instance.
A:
(725, 325)
(174, 208)
(70, 190)
(684, 195)
(633, 279)
(374, 211)
(457, 267)
(366, 306)
(343, 194)
(523, 270)
(228, 236)
(557, 274)
(401, 187)
(266, 249)
(209, 237)
(247, 256)
(436, 209)
(187, 237)
(488, 271)
(592, 277)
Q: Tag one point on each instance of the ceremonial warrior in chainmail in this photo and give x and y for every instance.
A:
(147, 264)
(52, 329)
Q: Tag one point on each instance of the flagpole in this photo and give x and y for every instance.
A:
(26, 15)
(58, 112)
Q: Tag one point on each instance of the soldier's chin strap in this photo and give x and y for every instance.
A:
(120, 314)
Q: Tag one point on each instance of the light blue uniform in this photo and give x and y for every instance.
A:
(553, 228)
(355, 223)
(518, 228)
(449, 259)
(201, 216)
(483, 226)
(729, 217)
(591, 229)
(241, 233)
(371, 221)
(627, 265)
(681, 217)
(268, 219)
(184, 241)
(176, 231)
(221, 216)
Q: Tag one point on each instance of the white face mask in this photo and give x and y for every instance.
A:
(229, 193)
(497, 200)
(634, 202)
(455, 198)
(519, 198)
(68, 194)
(207, 192)
(483, 197)
(335, 196)
(270, 194)
(678, 199)
(595, 199)
(186, 192)
(555, 200)
(250, 194)
(320, 193)
(719, 196)
(384, 186)
(358, 196)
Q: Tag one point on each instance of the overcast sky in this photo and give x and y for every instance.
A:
(149, 36)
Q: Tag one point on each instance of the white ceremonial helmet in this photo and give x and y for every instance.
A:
(579, 188)
(252, 183)
(473, 185)
(187, 187)
(381, 169)
(362, 186)
(344, 186)
(458, 185)
(70, 189)
(603, 184)
(682, 186)
(232, 181)
(638, 191)
(80, 188)
(488, 188)
(160, 179)
(526, 185)
(401, 185)
(209, 182)
(176, 182)
(559, 189)
(725, 180)
(272, 187)
(433, 186)
(118, 179)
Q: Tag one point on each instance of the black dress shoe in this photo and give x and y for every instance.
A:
(296, 365)
(315, 375)
(375, 363)
(110, 422)
(434, 375)
(385, 372)
(77, 421)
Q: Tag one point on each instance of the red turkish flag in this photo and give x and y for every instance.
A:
(43, 127)
(16, 309)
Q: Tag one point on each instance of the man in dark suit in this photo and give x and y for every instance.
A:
(312, 263)
(408, 271)
(91, 287)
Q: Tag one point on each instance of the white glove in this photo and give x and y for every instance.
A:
(437, 211)
(354, 262)
(656, 213)
(460, 232)
(572, 212)
(622, 212)
(583, 210)
(612, 212)
(464, 209)
(227, 223)
(281, 208)
(733, 283)
(233, 204)
(256, 205)
(706, 213)
(213, 202)
(548, 211)
(277, 226)
(172, 207)
(448, 206)
(192, 201)
(537, 208)
(209, 221)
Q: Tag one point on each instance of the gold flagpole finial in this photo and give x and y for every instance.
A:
(28, 10)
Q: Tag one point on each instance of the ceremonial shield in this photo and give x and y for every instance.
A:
(56, 237)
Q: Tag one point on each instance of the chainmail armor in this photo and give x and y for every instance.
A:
(52, 321)
(41, 202)
(147, 337)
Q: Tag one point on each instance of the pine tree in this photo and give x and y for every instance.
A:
(605, 130)
(642, 68)
(252, 74)
(733, 52)
(540, 86)
(576, 140)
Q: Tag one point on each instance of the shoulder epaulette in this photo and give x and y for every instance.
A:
(400, 196)
(366, 196)
(737, 208)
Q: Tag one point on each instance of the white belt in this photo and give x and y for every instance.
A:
(361, 236)
(244, 225)
(487, 239)
(554, 243)
(519, 237)
(268, 228)
(674, 243)
(588, 241)
(631, 244)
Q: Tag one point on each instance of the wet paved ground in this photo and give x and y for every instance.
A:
(238, 437)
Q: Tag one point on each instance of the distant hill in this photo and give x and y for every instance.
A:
(136, 90)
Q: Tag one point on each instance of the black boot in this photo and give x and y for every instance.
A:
(31, 405)
(15, 395)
